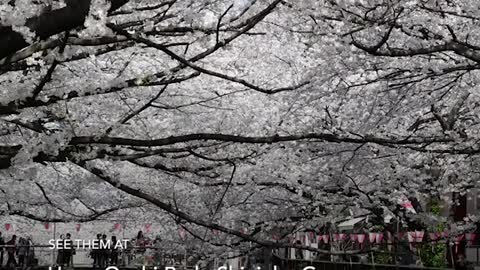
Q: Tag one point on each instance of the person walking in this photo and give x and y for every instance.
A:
(11, 249)
(103, 251)
(113, 251)
(60, 252)
(30, 252)
(22, 252)
(68, 250)
(157, 245)
(95, 252)
(298, 252)
(140, 249)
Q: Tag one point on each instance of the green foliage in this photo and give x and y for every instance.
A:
(433, 255)
(434, 207)
(382, 258)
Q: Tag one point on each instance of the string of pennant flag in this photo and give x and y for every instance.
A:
(380, 237)
(361, 238)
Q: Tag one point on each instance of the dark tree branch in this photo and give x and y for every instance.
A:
(49, 23)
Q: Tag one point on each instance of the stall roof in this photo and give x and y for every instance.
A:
(349, 224)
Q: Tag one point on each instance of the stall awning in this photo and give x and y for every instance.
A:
(349, 224)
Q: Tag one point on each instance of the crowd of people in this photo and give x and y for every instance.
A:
(65, 255)
(108, 255)
(105, 255)
(19, 253)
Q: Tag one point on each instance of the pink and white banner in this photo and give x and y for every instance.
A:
(361, 239)
(336, 237)
(419, 236)
(353, 237)
(378, 238)
(470, 237)
(325, 238)
(434, 236)
(372, 237)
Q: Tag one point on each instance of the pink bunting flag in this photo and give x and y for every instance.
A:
(147, 227)
(407, 204)
(361, 239)
(311, 235)
(336, 237)
(342, 236)
(353, 237)
(325, 238)
(77, 227)
(470, 237)
(275, 237)
(419, 236)
(371, 237)
(46, 225)
(378, 238)
(117, 226)
(8, 226)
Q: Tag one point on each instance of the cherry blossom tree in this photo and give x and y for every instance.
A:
(251, 118)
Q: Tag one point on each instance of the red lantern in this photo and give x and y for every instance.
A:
(46, 225)
(8, 226)
(77, 227)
